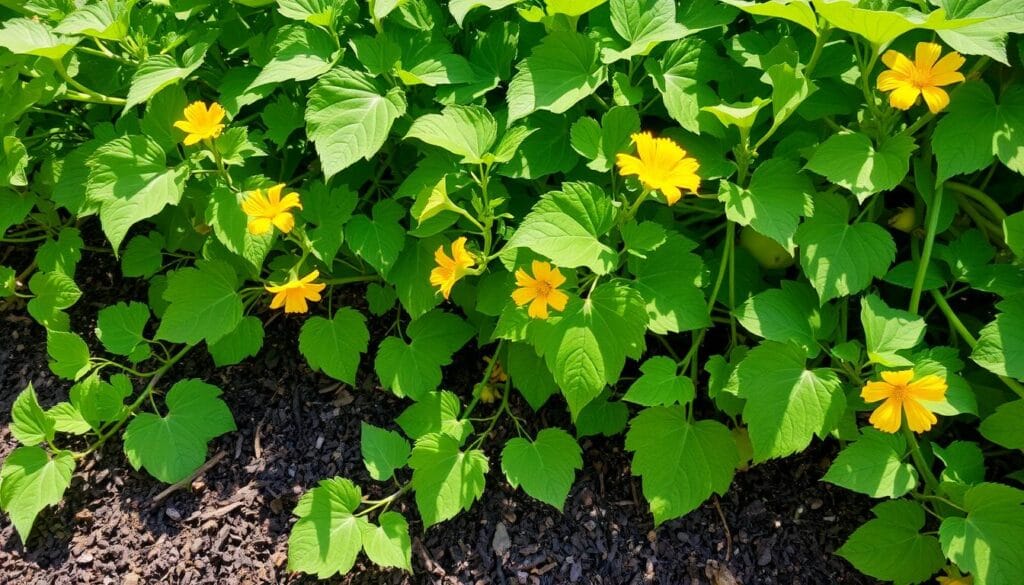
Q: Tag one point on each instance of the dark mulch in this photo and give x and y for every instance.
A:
(296, 428)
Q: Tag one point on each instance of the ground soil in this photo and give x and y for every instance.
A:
(296, 427)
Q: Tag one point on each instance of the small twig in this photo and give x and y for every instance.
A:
(725, 526)
(188, 480)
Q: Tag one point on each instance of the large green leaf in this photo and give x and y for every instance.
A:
(587, 348)
(891, 546)
(300, 52)
(436, 412)
(888, 331)
(244, 341)
(643, 24)
(159, 71)
(850, 160)
(789, 314)
(383, 451)
(446, 479)
(660, 384)
(53, 292)
(171, 447)
(562, 70)
(545, 467)
(414, 369)
(682, 463)
(681, 80)
(876, 465)
(380, 240)
(467, 131)
(881, 27)
(566, 227)
(1000, 346)
(129, 181)
(24, 36)
(798, 11)
(327, 536)
(348, 117)
(334, 345)
(778, 195)
(30, 425)
(976, 129)
(986, 542)
(1003, 427)
(670, 280)
(119, 327)
(30, 480)
(787, 404)
(204, 303)
(388, 545)
(841, 259)
(69, 355)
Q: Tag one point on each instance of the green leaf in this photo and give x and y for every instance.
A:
(8, 277)
(414, 369)
(106, 20)
(466, 131)
(1013, 232)
(739, 114)
(602, 417)
(68, 419)
(159, 71)
(31, 480)
(326, 211)
(987, 542)
(787, 404)
(680, 462)
(318, 12)
(383, 451)
(798, 11)
(244, 341)
(841, 259)
(888, 331)
(380, 240)
(600, 143)
(643, 24)
(327, 536)
(988, 35)
(1000, 348)
(446, 479)
(881, 27)
(30, 425)
(204, 303)
(850, 160)
(546, 467)
(529, 375)
(388, 545)
(436, 412)
(53, 292)
(964, 460)
(680, 80)
(460, 8)
(129, 181)
(173, 446)
(891, 547)
(670, 280)
(876, 464)
(69, 355)
(62, 254)
(778, 195)
(660, 384)
(98, 402)
(787, 314)
(143, 256)
(976, 129)
(348, 117)
(562, 70)
(1003, 427)
(299, 53)
(566, 227)
(410, 276)
(335, 345)
(14, 208)
(587, 348)
(119, 328)
(546, 151)
(24, 36)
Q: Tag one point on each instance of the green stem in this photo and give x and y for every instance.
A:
(503, 407)
(94, 96)
(931, 484)
(934, 207)
(352, 279)
(486, 378)
(917, 125)
(731, 242)
(386, 502)
(981, 197)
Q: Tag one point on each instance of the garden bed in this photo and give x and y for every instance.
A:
(296, 428)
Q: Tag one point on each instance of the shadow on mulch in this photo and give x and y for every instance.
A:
(296, 428)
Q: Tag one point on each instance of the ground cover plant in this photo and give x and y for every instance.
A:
(719, 230)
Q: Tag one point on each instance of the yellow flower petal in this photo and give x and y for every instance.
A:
(898, 378)
(538, 308)
(540, 289)
(931, 388)
(926, 54)
(904, 97)
(661, 165)
(898, 62)
(937, 99)
(919, 418)
(259, 226)
(887, 417)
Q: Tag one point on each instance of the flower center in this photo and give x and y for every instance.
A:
(921, 78)
(543, 288)
(899, 392)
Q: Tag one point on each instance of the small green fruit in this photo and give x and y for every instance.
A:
(765, 250)
(905, 220)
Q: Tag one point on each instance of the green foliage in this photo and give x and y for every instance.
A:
(381, 133)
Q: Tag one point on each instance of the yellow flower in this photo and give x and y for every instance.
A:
(498, 375)
(294, 293)
(923, 77)
(662, 165)
(903, 396)
(962, 580)
(201, 123)
(451, 269)
(540, 290)
(270, 209)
